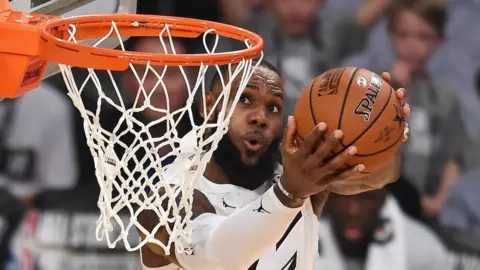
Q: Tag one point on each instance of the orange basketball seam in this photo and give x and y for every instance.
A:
(312, 113)
(344, 103)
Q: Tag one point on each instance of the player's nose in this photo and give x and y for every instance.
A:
(258, 117)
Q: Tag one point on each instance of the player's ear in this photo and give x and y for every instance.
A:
(207, 106)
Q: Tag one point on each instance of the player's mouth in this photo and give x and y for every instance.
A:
(254, 142)
(253, 145)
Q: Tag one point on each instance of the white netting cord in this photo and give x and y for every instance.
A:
(127, 170)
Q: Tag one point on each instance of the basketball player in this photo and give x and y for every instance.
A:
(363, 230)
(248, 212)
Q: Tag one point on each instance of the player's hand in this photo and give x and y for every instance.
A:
(386, 175)
(306, 169)
(401, 94)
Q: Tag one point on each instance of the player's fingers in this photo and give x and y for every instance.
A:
(406, 132)
(324, 150)
(333, 166)
(354, 172)
(344, 177)
(401, 93)
(387, 77)
(406, 110)
(313, 140)
(289, 138)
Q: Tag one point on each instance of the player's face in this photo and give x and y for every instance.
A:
(414, 39)
(175, 85)
(296, 16)
(354, 218)
(257, 119)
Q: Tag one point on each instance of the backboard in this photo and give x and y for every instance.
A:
(70, 8)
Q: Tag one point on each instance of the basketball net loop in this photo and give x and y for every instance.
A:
(125, 179)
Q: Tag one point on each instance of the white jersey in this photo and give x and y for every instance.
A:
(296, 250)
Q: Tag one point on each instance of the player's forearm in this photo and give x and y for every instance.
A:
(237, 241)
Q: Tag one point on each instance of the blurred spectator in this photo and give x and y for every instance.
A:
(369, 231)
(461, 212)
(36, 143)
(205, 9)
(431, 156)
(11, 212)
(295, 40)
(175, 83)
(455, 61)
(63, 236)
(170, 95)
(460, 216)
(471, 150)
(174, 91)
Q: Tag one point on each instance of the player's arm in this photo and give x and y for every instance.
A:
(250, 228)
(153, 255)
(388, 174)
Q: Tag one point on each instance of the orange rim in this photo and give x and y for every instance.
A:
(56, 47)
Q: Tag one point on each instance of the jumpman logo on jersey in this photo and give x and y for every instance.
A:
(261, 209)
(226, 205)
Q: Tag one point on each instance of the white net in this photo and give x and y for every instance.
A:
(137, 159)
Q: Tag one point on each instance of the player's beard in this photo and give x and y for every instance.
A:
(229, 159)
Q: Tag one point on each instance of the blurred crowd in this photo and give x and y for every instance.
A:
(49, 193)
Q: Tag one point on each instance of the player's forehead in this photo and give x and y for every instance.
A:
(266, 78)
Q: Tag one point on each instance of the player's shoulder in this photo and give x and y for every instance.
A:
(425, 249)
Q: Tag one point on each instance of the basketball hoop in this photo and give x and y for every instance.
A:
(35, 40)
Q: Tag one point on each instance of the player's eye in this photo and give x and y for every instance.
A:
(273, 108)
(244, 99)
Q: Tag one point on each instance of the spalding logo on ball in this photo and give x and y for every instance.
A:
(362, 105)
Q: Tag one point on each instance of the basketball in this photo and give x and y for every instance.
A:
(362, 105)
